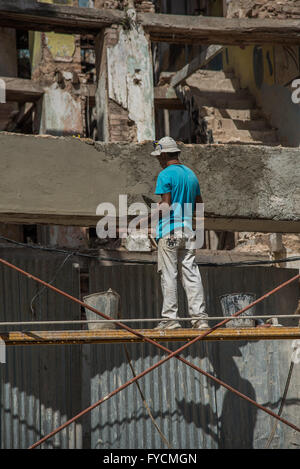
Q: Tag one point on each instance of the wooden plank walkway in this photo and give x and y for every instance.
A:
(122, 336)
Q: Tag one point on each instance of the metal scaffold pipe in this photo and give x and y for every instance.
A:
(171, 354)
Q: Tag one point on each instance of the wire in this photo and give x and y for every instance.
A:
(138, 261)
(50, 283)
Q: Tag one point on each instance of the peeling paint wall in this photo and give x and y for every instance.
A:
(61, 113)
(124, 94)
(61, 46)
(130, 83)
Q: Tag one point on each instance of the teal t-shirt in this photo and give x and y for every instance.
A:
(184, 187)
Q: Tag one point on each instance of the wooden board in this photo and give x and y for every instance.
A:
(184, 29)
(22, 90)
(200, 61)
(32, 15)
(121, 336)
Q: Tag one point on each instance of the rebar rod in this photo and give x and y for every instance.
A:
(171, 354)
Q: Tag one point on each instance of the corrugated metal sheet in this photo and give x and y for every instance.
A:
(192, 411)
(40, 386)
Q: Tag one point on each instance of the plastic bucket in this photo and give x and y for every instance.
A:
(234, 302)
(108, 303)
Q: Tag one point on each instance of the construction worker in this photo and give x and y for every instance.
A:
(177, 185)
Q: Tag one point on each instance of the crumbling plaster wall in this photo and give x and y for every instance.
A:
(124, 95)
(56, 65)
(130, 82)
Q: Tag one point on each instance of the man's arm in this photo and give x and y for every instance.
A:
(165, 199)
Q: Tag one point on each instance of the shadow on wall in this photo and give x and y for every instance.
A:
(283, 113)
(235, 419)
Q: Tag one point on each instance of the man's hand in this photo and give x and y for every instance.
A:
(165, 198)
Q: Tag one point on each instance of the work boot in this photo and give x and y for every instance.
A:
(167, 325)
(201, 324)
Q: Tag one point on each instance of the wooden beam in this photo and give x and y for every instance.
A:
(22, 90)
(210, 223)
(206, 256)
(200, 61)
(121, 336)
(183, 29)
(36, 16)
(165, 97)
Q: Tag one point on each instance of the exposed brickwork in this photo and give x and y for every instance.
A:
(47, 70)
(142, 6)
(109, 4)
(121, 128)
(281, 9)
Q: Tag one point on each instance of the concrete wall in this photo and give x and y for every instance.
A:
(66, 178)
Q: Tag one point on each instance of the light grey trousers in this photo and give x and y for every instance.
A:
(175, 256)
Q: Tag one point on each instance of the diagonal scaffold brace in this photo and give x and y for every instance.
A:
(171, 354)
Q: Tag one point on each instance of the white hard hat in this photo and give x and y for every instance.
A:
(165, 145)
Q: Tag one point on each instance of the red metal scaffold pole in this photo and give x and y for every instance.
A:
(171, 354)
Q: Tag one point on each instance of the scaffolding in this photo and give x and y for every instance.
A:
(146, 338)
(161, 28)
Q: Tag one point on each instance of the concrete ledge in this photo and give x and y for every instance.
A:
(62, 180)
